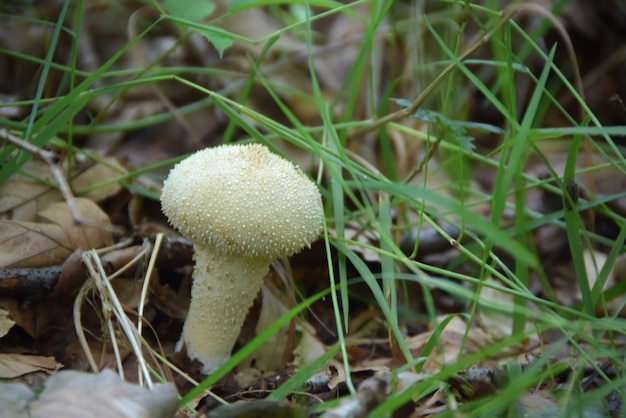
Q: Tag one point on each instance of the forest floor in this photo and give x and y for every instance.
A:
(471, 163)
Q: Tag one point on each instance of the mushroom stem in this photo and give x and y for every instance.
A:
(222, 293)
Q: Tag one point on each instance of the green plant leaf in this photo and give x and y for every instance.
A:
(194, 10)
(189, 14)
(219, 41)
(449, 129)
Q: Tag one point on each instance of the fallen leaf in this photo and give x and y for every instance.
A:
(15, 365)
(22, 197)
(56, 237)
(96, 174)
(309, 347)
(6, 323)
(451, 341)
(271, 357)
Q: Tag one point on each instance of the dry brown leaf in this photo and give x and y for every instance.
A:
(309, 348)
(22, 197)
(448, 350)
(15, 365)
(271, 357)
(128, 292)
(40, 244)
(487, 329)
(27, 319)
(102, 349)
(96, 174)
(6, 323)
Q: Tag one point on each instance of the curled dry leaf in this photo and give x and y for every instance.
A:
(15, 365)
(6, 323)
(55, 237)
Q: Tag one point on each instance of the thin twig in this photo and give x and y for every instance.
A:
(146, 285)
(78, 324)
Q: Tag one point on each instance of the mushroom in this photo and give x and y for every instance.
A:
(242, 207)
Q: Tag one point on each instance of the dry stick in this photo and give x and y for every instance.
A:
(89, 285)
(146, 286)
(53, 162)
(28, 284)
(113, 305)
(402, 113)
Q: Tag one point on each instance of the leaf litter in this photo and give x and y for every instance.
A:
(105, 301)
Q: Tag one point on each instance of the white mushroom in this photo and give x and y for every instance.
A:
(242, 207)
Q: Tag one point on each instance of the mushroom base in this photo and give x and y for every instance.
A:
(223, 290)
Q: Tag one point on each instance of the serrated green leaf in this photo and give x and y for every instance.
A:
(189, 14)
(448, 129)
(219, 41)
(465, 142)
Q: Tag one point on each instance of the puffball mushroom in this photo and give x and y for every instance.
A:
(242, 207)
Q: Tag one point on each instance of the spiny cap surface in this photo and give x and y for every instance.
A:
(243, 199)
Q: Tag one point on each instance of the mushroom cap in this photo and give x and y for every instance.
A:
(243, 200)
